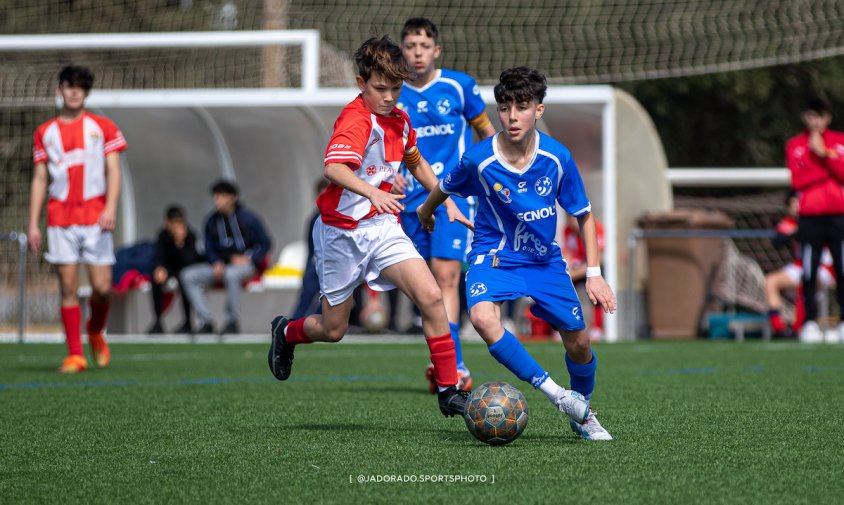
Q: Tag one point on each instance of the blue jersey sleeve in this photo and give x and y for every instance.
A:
(474, 103)
(571, 193)
(463, 180)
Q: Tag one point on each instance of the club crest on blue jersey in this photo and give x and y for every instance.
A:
(543, 186)
(444, 106)
(502, 192)
(477, 289)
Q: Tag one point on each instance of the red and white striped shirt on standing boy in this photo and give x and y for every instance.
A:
(75, 153)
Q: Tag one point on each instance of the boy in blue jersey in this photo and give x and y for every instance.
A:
(444, 106)
(519, 177)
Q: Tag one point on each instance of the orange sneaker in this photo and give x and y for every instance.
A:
(99, 349)
(74, 363)
(463, 382)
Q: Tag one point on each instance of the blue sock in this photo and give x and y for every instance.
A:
(458, 351)
(582, 376)
(512, 354)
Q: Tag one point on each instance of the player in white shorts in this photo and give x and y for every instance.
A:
(78, 154)
(826, 274)
(88, 244)
(358, 238)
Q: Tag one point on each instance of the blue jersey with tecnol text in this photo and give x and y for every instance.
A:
(516, 220)
(440, 112)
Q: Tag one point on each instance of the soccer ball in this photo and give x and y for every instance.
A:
(496, 413)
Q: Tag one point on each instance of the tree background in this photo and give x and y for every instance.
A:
(737, 119)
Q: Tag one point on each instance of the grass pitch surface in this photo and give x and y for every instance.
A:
(697, 422)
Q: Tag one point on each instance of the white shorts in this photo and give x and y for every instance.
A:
(79, 244)
(826, 275)
(347, 258)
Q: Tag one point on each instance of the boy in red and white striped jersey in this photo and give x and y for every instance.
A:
(357, 237)
(78, 155)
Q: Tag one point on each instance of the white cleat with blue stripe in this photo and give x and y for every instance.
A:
(590, 429)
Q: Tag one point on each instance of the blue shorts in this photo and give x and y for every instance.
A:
(549, 285)
(448, 240)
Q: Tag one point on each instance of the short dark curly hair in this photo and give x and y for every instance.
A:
(520, 84)
(380, 55)
(77, 75)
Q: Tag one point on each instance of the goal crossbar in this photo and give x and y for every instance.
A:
(308, 39)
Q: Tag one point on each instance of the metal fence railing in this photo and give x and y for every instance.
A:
(21, 239)
(632, 324)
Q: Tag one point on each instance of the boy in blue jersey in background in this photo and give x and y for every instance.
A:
(444, 106)
(519, 177)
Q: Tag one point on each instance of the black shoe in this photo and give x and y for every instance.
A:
(280, 357)
(231, 328)
(155, 329)
(786, 334)
(206, 329)
(453, 401)
(185, 329)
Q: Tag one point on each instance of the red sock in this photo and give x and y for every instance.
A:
(72, 318)
(777, 323)
(296, 332)
(444, 358)
(99, 314)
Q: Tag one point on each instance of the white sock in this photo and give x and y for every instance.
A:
(551, 389)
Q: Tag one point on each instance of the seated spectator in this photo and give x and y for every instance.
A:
(175, 249)
(236, 248)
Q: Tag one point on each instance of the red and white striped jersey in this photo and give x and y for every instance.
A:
(75, 156)
(371, 145)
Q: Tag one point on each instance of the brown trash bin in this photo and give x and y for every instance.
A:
(681, 270)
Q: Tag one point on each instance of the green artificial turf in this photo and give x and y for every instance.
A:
(699, 422)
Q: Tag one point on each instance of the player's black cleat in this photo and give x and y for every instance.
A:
(280, 357)
(453, 401)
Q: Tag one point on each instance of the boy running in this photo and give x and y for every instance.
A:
(357, 237)
(520, 175)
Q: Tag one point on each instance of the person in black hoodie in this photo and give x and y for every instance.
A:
(175, 250)
(236, 247)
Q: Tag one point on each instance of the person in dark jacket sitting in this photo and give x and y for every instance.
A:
(236, 246)
(175, 250)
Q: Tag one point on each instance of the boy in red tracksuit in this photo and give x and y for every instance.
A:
(816, 160)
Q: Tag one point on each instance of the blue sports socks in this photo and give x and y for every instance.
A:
(512, 354)
(582, 376)
(455, 335)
